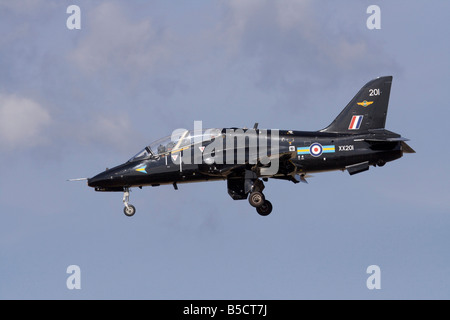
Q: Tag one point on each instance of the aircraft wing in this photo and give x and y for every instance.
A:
(265, 165)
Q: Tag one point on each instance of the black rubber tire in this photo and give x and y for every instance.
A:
(265, 209)
(256, 199)
(129, 211)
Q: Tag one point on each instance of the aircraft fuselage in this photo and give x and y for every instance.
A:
(354, 141)
(307, 152)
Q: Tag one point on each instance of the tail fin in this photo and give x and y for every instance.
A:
(367, 110)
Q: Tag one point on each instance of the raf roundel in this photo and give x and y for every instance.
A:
(316, 149)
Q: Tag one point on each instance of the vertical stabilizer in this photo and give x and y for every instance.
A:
(367, 110)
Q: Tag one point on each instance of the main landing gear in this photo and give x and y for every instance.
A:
(258, 200)
(129, 209)
(249, 186)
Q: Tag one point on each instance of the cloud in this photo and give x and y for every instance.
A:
(22, 121)
(285, 44)
(22, 6)
(112, 131)
(297, 43)
(269, 18)
(117, 42)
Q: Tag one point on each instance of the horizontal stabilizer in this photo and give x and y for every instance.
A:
(357, 168)
(406, 148)
(383, 140)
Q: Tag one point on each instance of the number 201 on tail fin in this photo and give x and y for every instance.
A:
(374, 92)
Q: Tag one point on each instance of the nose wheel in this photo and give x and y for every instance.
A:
(129, 209)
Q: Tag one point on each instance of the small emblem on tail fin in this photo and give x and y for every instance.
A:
(365, 103)
(355, 123)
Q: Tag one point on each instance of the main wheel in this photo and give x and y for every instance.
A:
(129, 211)
(265, 209)
(381, 163)
(256, 199)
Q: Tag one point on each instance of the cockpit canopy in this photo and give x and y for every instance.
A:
(180, 139)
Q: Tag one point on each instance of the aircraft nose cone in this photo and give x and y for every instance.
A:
(109, 180)
(99, 180)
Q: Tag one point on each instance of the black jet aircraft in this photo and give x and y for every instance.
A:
(354, 141)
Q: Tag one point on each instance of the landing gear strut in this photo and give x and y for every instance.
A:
(129, 209)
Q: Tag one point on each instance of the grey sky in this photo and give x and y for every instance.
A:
(73, 102)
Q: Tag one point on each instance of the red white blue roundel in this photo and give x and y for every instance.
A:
(316, 149)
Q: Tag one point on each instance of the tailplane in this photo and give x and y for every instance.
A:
(366, 111)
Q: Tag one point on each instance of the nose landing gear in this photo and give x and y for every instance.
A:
(129, 209)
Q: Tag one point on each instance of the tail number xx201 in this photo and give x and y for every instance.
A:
(348, 147)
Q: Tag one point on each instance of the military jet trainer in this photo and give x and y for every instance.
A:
(246, 158)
